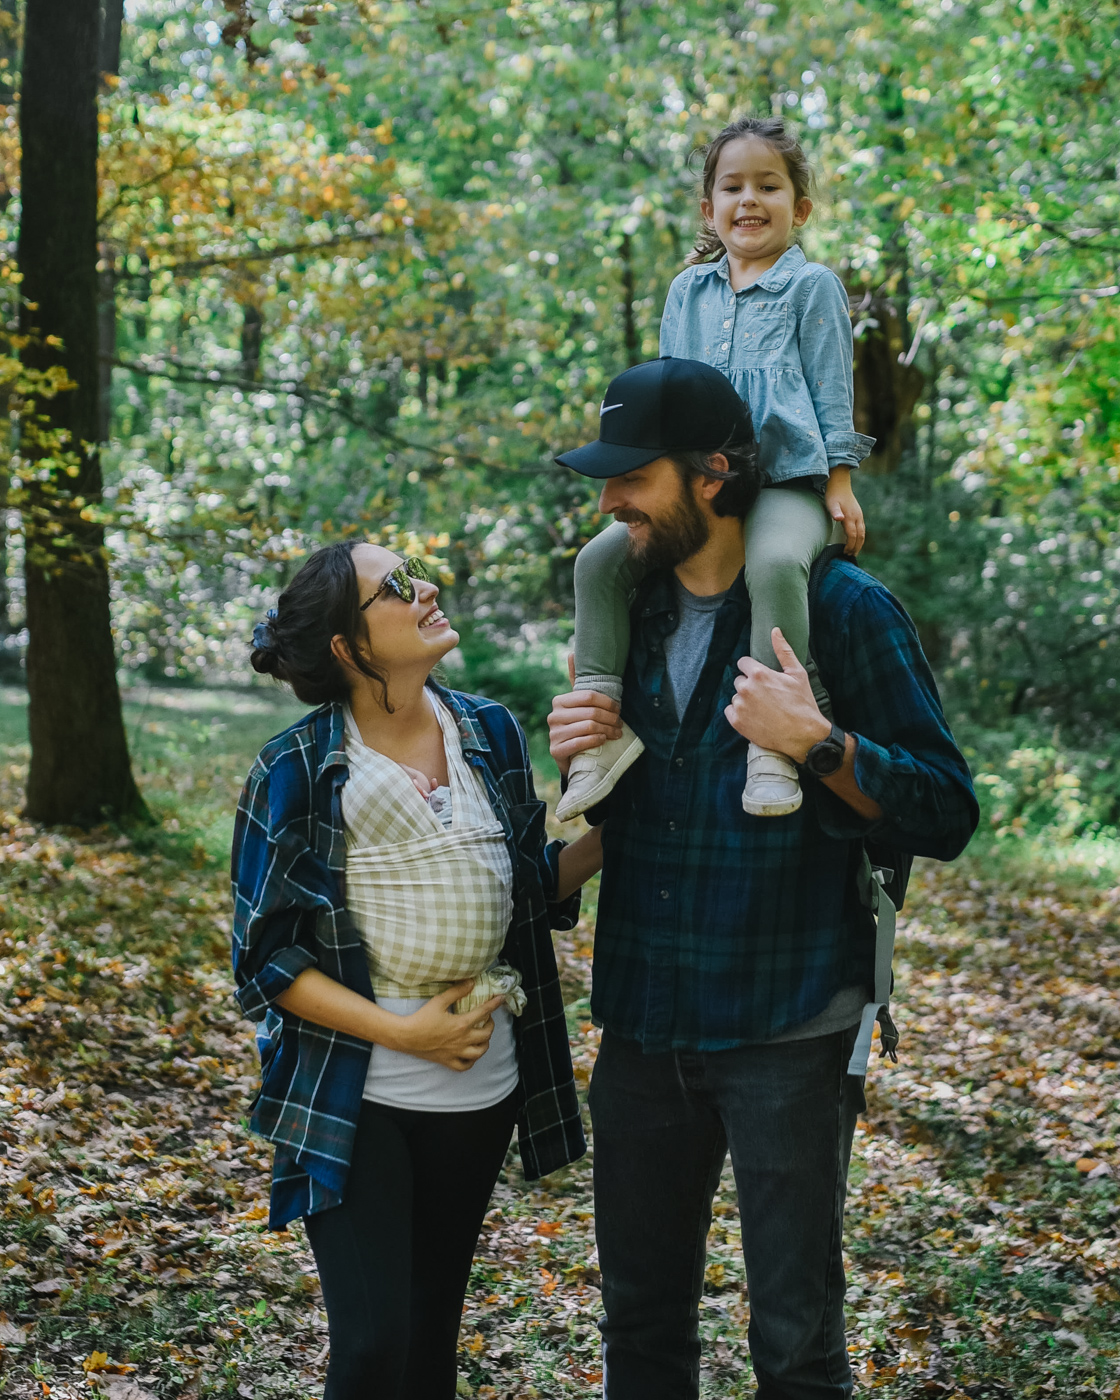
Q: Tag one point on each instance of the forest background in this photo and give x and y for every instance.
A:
(288, 274)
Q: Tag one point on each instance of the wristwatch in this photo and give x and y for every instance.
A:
(825, 757)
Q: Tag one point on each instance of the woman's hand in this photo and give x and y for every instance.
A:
(437, 1033)
(841, 504)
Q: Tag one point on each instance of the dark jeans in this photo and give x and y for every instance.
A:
(662, 1127)
(394, 1258)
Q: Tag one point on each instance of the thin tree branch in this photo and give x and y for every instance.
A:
(332, 401)
(190, 265)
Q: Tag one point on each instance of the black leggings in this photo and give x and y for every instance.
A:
(395, 1257)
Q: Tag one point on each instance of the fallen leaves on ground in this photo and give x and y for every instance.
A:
(135, 1264)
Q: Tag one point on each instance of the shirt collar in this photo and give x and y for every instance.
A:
(334, 717)
(471, 733)
(774, 279)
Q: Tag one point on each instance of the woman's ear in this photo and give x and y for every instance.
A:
(341, 652)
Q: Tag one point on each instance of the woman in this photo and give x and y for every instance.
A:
(393, 893)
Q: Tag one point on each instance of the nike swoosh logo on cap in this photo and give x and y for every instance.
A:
(607, 407)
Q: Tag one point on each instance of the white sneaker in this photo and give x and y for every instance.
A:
(773, 787)
(594, 773)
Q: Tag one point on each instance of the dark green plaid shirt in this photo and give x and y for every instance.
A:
(718, 929)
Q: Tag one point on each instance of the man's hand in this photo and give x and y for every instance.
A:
(842, 506)
(580, 719)
(776, 709)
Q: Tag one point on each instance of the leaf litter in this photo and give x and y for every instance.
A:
(982, 1237)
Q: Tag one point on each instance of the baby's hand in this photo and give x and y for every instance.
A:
(424, 785)
(841, 504)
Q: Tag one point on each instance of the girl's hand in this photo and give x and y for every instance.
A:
(437, 1033)
(841, 504)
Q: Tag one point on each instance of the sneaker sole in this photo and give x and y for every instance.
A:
(771, 809)
(627, 759)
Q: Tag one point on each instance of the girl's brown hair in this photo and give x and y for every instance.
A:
(775, 133)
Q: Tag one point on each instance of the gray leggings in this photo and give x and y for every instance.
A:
(784, 532)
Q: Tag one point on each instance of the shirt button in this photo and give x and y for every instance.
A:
(724, 345)
(679, 762)
(656, 701)
(664, 894)
(672, 826)
(726, 325)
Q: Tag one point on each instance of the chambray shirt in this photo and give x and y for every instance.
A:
(715, 928)
(288, 867)
(786, 345)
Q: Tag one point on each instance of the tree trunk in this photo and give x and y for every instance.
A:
(629, 326)
(80, 772)
(109, 65)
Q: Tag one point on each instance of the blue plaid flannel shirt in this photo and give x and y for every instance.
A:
(288, 868)
(718, 929)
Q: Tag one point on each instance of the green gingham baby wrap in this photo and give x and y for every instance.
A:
(432, 903)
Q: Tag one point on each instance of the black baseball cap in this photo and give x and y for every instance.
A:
(660, 407)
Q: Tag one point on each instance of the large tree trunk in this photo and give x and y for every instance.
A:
(80, 770)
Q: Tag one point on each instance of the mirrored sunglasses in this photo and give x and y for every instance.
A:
(399, 581)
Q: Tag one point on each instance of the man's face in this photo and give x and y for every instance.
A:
(665, 520)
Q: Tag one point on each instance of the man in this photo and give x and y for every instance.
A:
(734, 955)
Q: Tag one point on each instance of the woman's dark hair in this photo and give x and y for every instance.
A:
(775, 133)
(741, 482)
(294, 644)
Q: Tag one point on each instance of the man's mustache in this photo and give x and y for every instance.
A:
(631, 517)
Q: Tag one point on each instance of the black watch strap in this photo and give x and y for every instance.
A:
(827, 755)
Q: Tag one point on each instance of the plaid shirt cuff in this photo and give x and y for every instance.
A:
(564, 914)
(273, 980)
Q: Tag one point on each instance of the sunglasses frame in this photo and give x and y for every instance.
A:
(400, 581)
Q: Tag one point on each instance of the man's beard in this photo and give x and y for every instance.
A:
(670, 539)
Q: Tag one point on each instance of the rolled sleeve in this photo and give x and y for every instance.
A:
(847, 449)
(562, 914)
(273, 980)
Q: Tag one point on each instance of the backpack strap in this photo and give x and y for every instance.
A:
(872, 883)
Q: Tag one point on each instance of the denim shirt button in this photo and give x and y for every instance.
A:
(678, 762)
(672, 826)
(664, 894)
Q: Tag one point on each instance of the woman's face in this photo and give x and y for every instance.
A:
(400, 635)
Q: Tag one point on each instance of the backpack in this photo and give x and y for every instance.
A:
(883, 878)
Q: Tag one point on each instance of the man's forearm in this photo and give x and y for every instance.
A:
(843, 783)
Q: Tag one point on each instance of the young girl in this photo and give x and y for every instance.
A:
(392, 897)
(778, 327)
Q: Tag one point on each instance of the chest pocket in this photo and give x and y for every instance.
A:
(761, 331)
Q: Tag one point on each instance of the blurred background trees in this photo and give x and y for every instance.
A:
(367, 267)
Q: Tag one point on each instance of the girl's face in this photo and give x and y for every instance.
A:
(753, 208)
(400, 636)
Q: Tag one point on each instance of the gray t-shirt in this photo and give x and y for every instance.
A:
(686, 650)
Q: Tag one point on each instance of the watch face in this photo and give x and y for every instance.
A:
(825, 758)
